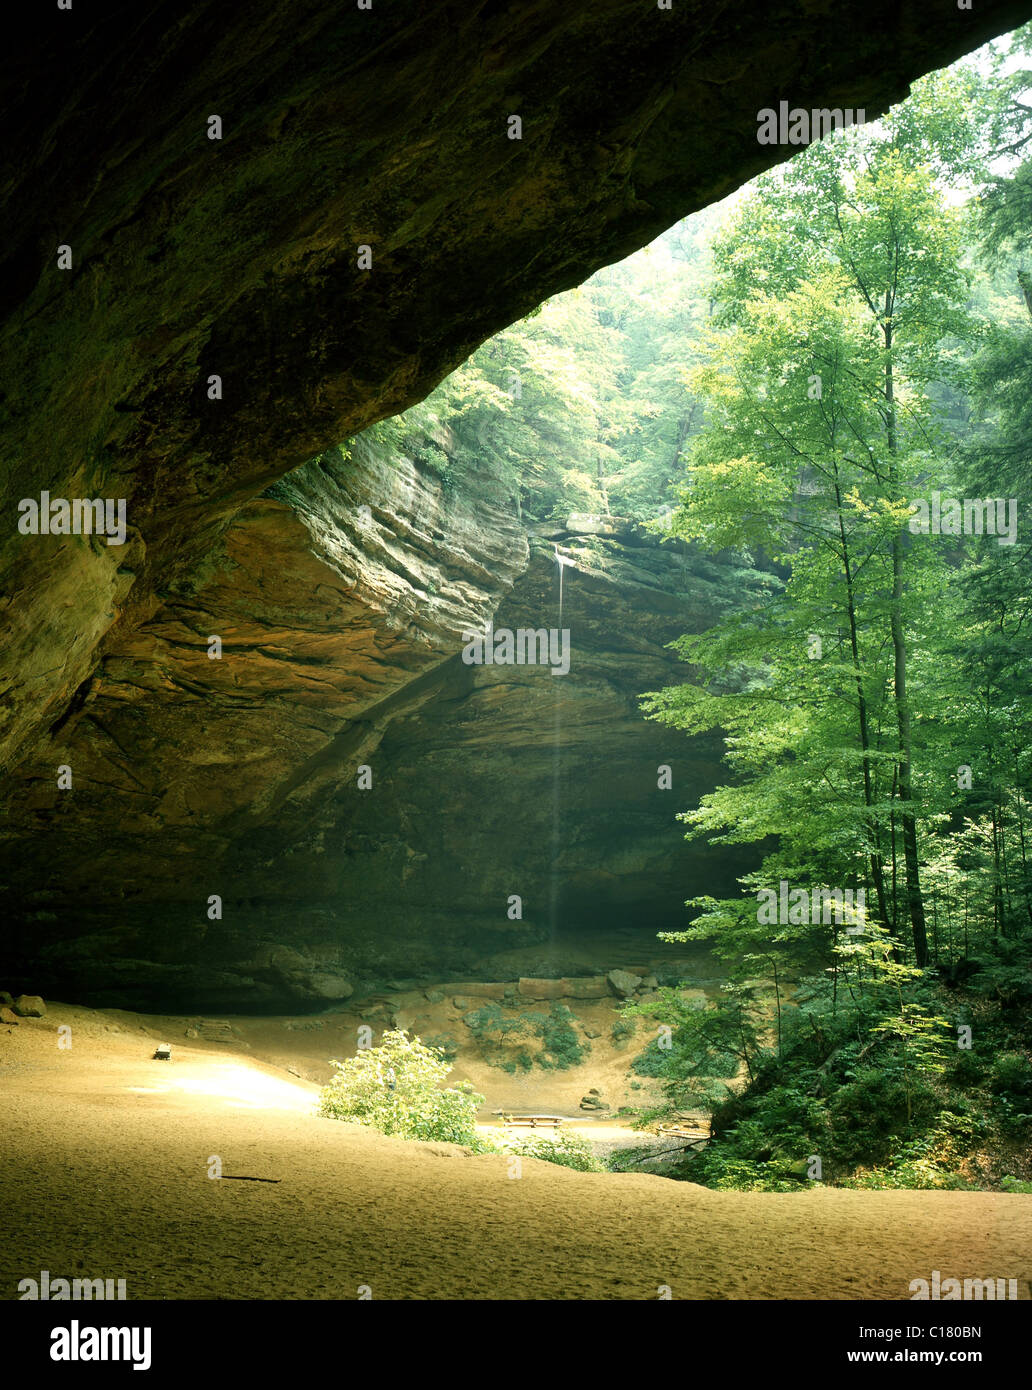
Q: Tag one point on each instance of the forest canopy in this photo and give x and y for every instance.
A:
(828, 378)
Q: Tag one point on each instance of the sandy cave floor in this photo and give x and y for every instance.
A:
(104, 1173)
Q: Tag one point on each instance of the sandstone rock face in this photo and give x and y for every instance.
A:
(237, 257)
(213, 333)
(584, 987)
(340, 795)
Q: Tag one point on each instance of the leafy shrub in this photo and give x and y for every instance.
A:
(929, 1160)
(1011, 1077)
(523, 1061)
(1015, 1185)
(873, 1106)
(485, 1020)
(652, 1060)
(566, 1149)
(621, 1030)
(445, 1044)
(727, 1172)
(967, 1068)
(561, 1047)
(396, 1088)
(685, 1056)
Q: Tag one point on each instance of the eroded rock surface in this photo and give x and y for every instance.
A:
(236, 258)
(342, 626)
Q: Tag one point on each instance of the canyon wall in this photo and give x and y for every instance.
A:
(185, 320)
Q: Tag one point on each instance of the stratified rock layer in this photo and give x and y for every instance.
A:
(238, 259)
(357, 797)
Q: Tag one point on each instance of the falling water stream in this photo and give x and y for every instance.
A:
(557, 733)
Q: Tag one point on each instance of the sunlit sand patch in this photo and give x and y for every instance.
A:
(240, 1087)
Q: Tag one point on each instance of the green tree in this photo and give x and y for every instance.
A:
(838, 285)
(398, 1088)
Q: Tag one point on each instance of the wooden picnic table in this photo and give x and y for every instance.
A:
(533, 1121)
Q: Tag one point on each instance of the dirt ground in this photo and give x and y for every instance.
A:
(106, 1155)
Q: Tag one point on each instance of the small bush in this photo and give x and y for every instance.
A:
(485, 1020)
(727, 1172)
(398, 1088)
(566, 1149)
(927, 1161)
(521, 1062)
(621, 1030)
(561, 1047)
(445, 1044)
(1011, 1077)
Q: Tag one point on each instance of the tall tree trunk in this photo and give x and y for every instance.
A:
(908, 819)
(1021, 842)
(874, 834)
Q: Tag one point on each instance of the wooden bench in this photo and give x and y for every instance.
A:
(531, 1121)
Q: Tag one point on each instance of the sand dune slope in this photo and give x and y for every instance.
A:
(104, 1173)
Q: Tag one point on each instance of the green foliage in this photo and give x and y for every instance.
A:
(561, 1046)
(568, 1150)
(728, 1172)
(1011, 1077)
(581, 405)
(487, 1019)
(398, 1088)
(445, 1044)
(927, 1161)
(522, 1061)
(870, 1079)
(621, 1030)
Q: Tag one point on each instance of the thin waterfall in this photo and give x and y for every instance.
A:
(557, 735)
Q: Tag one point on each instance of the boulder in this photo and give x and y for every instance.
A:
(278, 958)
(7, 1015)
(622, 983)
(433, 996)
(29, 1006)
(323, 985)
(6, 998)
(593, 1101)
